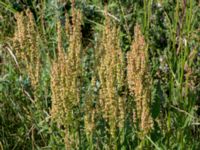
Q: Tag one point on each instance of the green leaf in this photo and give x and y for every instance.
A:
(157, 98)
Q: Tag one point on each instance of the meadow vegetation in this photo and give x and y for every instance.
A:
(92, 74)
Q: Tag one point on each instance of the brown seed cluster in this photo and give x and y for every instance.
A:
(90, 109)
(111, 75)
(139, 80)
(66, 76)
(66, 72)
(26, 46)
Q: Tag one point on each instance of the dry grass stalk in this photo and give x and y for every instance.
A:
(26, 45)
(139, 80)
(111, 74)
(66, 76)
(66, 72)
(34, 60)
(90, 110)
(58, 72)
(66, 79)
(89, 122)
(67, 26)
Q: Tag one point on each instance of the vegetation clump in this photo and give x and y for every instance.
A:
(91, 75)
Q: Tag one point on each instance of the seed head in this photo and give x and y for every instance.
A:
(139, 80)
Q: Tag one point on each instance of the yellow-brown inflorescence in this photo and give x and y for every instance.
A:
(90, 110)
(111, 75)
(26, 46)
(139, 80)
(66, 73)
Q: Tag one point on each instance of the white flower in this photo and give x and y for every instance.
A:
(185, 41)
(159, 5)
(161, 59)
